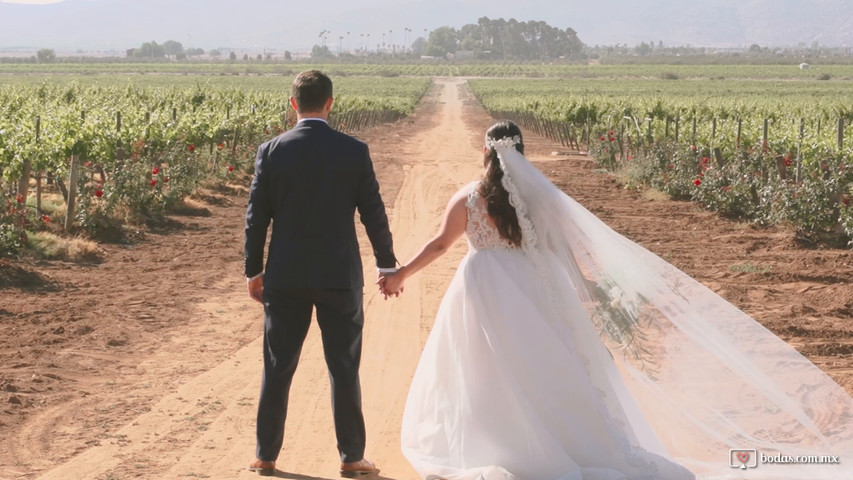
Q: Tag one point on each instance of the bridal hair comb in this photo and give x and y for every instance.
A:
(505, 142)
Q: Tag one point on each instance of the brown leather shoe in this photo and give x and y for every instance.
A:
(263, 467)
(359, 468)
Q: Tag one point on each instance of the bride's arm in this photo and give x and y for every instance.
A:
(452, 227)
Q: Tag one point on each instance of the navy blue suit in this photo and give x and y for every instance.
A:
(309, 182)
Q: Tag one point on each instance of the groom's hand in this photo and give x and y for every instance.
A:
(390, 284)
(383, 287)
(256, 288)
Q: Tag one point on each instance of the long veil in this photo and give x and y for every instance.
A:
(692, 377)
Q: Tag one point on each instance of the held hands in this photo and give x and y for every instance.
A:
(391, 284)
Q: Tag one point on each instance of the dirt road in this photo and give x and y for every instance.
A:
(148, 365)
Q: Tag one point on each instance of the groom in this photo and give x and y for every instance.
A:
(310, 181)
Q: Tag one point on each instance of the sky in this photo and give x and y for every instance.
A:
(257, 25)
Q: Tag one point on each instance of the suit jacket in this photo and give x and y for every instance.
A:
(310, 181)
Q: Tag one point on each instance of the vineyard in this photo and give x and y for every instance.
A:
(434, 68)
(114, 151)
(770, 151)
(91, 146)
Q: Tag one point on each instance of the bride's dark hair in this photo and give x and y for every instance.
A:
(493, 191)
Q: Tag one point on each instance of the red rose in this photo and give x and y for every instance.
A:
(603, 139)
(220, 146)
(152, 182)
(671, 166)
(45, 219)
(693, 147)
(99, 193)
(191, 148)
(20, 198)
(166, 180)
(697, 182)
(610, 133)
(155, 171)
(230, 168)
(612, 139)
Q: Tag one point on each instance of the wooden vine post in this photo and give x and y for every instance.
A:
(72, 191)
(840, 134)
(800, 150)
(764, 135)
(24, 180)
(71, 197)
(39, 175)
(739, 131)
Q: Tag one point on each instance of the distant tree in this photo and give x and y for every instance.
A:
(192, 52)
(181, 56)
(232, 56)
(643, 49)
(321, 52)
(214, 53)
(269, 57)
(130, 52)
(150, 50)
(46, 55)
(508, 39)
(172, 47)
(245, 56)
(419, 45)
(442, 41)
(287, 55)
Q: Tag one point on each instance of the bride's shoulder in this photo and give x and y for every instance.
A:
(469, 190)
(464, 194)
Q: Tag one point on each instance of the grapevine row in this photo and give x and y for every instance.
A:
(436, 67)
(775, 155)
(132, 150)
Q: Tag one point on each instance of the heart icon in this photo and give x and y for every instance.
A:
(743, 457)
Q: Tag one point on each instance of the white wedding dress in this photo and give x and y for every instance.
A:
(521, 378)
(503, 389)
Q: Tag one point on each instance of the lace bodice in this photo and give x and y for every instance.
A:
(480, 232)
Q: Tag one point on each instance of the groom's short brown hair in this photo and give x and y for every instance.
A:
(311, 89)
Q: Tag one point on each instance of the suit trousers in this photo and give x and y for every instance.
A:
(287, 318)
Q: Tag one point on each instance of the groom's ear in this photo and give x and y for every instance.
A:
(293, 104)
(329, 104)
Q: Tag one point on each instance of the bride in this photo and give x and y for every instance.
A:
(564, 351)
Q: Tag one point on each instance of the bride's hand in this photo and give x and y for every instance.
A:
(391, 284)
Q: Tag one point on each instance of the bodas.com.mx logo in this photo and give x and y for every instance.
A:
(743, 458)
